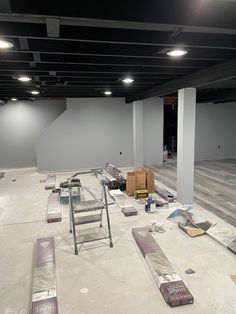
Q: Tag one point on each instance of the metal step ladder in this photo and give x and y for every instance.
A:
(90, 206)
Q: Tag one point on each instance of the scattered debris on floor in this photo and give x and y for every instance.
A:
(194, 225)
(191, 230)
(159, 203)
(191, 223)
(84, 290)
(13, 180)
(156, 227)
(189, 271)
(233, 277)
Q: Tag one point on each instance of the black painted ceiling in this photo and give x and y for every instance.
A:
(90, 56)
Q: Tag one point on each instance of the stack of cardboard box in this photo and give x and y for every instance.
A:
(140, 179)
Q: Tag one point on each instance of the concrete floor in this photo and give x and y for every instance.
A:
(117, 280)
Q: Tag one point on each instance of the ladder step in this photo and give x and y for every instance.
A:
(87, 206)
(87, 219)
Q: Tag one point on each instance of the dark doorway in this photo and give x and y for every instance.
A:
(170, 125)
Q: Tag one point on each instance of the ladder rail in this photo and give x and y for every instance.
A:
(73, 222)
(103, 183)
(73, 218)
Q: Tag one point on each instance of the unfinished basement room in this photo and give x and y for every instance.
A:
(118, 157)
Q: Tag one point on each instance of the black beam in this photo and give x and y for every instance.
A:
(221, 46)
(116, 24)
(47, 51)
(5, 6)
(120, 37)
(96, 61)
(200, 78)
(53, 27)
(216, 96)
(41, 67)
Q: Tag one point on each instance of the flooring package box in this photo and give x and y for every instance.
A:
(48, 306)
(172, 288)
(44, 252)
(44, 289)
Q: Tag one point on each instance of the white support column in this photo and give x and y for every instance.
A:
(138, 133)
(186, 141)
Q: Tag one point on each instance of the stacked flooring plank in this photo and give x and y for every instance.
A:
(168, 281)
(224, 236)
(51, 182)
(166, 195)
(54, 208)
(123, 202)
(44, 291)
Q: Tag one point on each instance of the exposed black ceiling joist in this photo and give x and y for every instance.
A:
(24, 45)
(119, 24)
(49, 51)
(126, 39)
(94, 49)
(217, 96)
(53, 27)
(97, 61)
(203, 77)
(5, 6)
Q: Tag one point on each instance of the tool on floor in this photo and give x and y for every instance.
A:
(156, 227)
(90, 206)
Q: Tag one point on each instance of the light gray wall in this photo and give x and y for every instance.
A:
(153, 130)
(215, 125)
(138, 119)
(91, 132)
(20, 124)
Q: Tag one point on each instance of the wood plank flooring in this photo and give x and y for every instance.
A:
(214, 185)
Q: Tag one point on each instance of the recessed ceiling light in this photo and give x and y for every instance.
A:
(107, 92)
(24, 78)
(5, 44)
(177, 53)
(128, 80)
(35, 92)
(14, 99)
